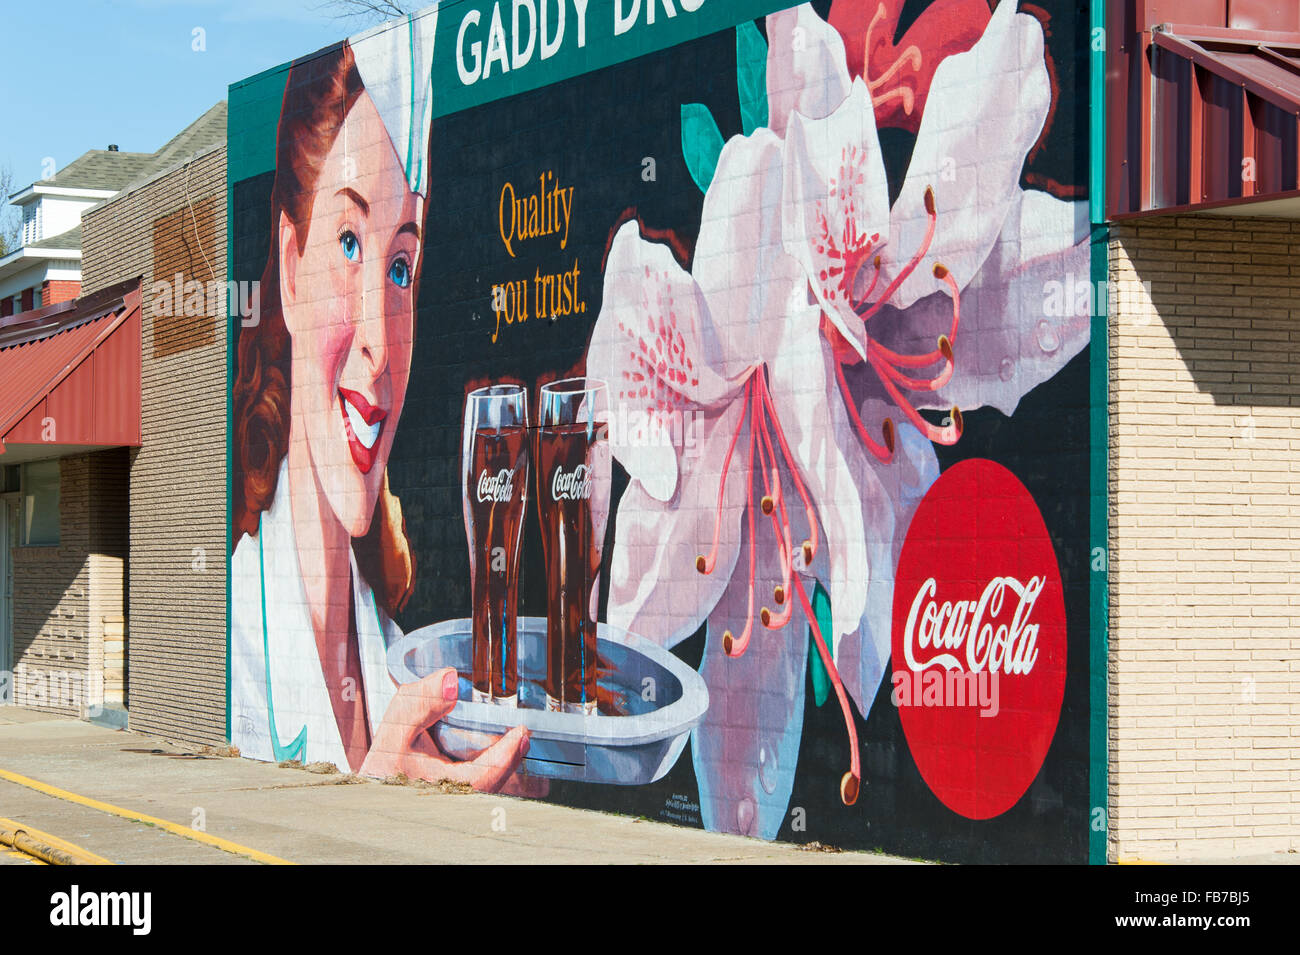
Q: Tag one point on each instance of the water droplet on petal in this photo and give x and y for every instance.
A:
(1006, 369)
(1047, 337)
(768, 771)
(746, 813)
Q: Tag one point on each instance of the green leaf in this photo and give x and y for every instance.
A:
(821, 604)
(751, 76)
(701, 143)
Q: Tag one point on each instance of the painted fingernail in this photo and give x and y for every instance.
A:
(449, 685)
(524, 744)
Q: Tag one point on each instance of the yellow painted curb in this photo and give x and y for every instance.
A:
(216, 841)
(49, 849)
(31, 860)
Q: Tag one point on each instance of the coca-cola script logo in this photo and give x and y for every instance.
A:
(572, 485)
(497, 487)
(966, 626)
(979, 641)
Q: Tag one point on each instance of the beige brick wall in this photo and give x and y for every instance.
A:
(1204, 675)
(176, 625)
(63, 593)
(106, 593)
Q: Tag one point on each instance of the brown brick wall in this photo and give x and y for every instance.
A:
(182, 244)
(1204, 673)
(176, 622)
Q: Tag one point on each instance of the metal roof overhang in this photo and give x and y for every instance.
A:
(1209, 122)
(70, 373)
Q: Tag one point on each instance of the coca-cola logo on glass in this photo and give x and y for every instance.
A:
(496, 487)
(572, 485)
(979, 639)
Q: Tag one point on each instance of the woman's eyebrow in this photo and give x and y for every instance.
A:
(350, 193)
(410, 227)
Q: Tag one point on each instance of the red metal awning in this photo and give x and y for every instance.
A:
(1203, 112)
(70, 373)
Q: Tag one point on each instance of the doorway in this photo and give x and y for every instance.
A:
(8, 534)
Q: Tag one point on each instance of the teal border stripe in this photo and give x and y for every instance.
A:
(230, 387)
(254, 115)
(1099, 438)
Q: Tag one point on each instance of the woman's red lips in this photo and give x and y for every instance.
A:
(371, 413)
(363, 457)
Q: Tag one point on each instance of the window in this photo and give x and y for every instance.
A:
(32, 220)
(40, 504)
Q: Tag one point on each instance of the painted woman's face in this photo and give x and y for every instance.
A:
(349, 307)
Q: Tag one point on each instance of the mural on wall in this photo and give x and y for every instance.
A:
(702, 436)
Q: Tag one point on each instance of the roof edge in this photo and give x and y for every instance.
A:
(133, 187)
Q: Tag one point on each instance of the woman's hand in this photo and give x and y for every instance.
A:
(403, 744)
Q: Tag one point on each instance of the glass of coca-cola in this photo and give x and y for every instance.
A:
(573, 488)
(494, 456)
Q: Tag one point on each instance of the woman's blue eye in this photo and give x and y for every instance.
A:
(351, 247)
(400, 273)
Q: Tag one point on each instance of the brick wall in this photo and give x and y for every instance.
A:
(63, 593)
(1204, 672)
(108, 520)
(176, 628)
(54, 291)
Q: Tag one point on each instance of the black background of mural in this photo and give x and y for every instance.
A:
(594, 133)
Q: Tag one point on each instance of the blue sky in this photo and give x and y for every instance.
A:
(80, 74)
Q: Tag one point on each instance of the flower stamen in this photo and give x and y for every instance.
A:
(884, 453)
(704, 563)
(919, 384)
(898, 92)
(763, 423)
(912, 56)
(852, 780)
(778, 620)
(947, 434)
(888, 365)
(731, 646)
(933, 217)
(810, 512)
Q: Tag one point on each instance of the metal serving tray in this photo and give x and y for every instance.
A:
(658, 699)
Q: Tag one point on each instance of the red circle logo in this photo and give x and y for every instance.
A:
(979, 647)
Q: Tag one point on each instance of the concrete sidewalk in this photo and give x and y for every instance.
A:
(308, 818)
